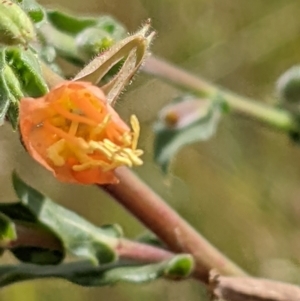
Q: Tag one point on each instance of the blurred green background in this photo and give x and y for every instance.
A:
(241, 189)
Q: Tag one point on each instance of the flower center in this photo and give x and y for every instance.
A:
(88, 136)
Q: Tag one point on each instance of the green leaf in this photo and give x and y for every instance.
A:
(69, 23)
(85, 274)
(74, 25)
(4, 91)
(15, 93)
(17, 211)
(7, 229)
(179, 266)
(112, 26)
(10, 92)
(93, 41)
(113, 230)
(151, 239)
(187, 120)
(32, 230)
(33, 9)
(79, 237)
(20, 74)
(64, 43)
(26, 66)
(37, 255)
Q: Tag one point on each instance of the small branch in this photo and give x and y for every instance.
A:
(141, 252)
(277, 118)
(254, 289)
(173, 230)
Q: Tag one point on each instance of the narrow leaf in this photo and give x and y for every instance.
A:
(10, 92)
(20, 74)
(75, 25)
(7, 230)
(35, 243)
(79, 237)
(27, 67)
(69, 23)
(85, 274)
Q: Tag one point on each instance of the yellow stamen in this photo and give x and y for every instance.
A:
(100, 127)
(73, 128)
(127, 139)
(100, 147)
(132, 156)
(115, 155)
(111, 146)
(72, 116)
(136, 130)
(139, 152)
(60, 133)
(123, 160)
(90, 164)
(83, 101)
(53, 153)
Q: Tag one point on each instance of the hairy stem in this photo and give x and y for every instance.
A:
(274, 117)
(172, 229)
(136, 251)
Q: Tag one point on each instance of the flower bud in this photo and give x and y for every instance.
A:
(15, 26)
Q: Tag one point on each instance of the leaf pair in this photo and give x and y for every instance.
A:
(40, 232)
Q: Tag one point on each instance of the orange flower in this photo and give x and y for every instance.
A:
(73, 132)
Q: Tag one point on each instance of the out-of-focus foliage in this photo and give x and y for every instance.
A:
(86, 36)
(288, 88)
(187, 120)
